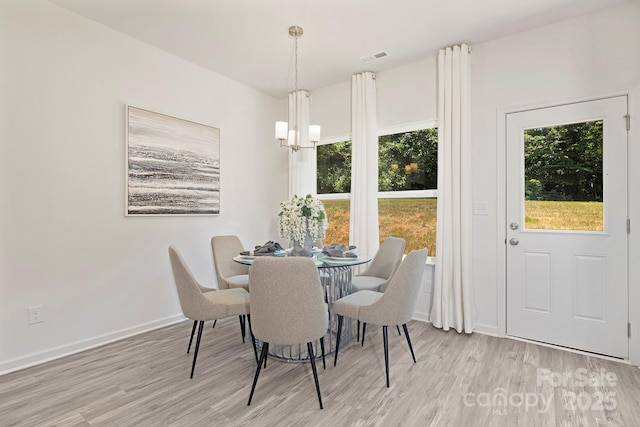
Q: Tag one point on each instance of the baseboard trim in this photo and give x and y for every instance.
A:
(34, 359)
(485, 329)
(421, 316)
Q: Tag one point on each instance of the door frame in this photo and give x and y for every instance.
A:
(633, 206)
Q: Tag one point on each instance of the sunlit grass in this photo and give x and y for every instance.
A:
(545, 215)
(415, 219)
(412, 219)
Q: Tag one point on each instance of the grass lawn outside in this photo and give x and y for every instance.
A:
(547, 215)
(412, 219)
(415, 219)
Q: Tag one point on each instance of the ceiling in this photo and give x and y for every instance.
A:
(248, 40)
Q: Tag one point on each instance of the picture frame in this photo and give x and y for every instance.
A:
(172, 164)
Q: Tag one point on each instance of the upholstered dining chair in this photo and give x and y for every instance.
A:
(382, 267)
(202, 306)
(393, 307)
(287, 307)
(230, 274)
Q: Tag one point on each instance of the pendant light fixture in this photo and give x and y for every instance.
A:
(285, 132)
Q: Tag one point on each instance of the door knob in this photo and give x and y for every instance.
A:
(513, 226)
(513, 241)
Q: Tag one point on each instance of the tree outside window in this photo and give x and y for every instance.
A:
(407, 180)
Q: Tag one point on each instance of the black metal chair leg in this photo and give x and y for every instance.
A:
(386, 352)
(406, 334)
(195, 353)
(335, 360)
(241, 317)
(193, 330)
(324, 365)
(398, 328)
(263, 355)
(253, 339)
(364, 329)
(214, 323)
(315, 372)
(358, 336)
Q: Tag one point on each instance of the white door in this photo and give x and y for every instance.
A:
(567, 225)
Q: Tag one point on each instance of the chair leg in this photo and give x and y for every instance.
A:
(335, 360)
(241, 317)
(253, 339)
(358, 336)
(386, 352)
(193, 330)
(214, 323)
(263, 355)
(315, 372)
(364, 329)
(406, 334)
(324, 365)
(195, 353)
(398, 328)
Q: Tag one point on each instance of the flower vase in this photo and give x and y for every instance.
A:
(303, 248)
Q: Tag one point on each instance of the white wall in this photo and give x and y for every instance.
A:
(65, 242)
(587, 56)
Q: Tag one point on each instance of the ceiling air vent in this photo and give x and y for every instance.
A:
(374, 57)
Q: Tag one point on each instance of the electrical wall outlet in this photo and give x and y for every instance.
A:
(35, 314)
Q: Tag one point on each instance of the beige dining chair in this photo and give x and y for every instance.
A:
(382, 267)
(288, 308)
(202, 306)
(393, 307)
(230, 274)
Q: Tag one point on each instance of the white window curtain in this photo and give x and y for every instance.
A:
(453, 299)
(363, 230)
(302, 164)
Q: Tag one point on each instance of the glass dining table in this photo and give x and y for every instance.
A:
(335, 276)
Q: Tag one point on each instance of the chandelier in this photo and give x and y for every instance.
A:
(289, 136)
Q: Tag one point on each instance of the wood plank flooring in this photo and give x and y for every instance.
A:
(458, 380)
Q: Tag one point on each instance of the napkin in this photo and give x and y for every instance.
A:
(339, 251)
(267, 249)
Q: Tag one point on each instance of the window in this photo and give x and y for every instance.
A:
(563, 176)
(407, 180)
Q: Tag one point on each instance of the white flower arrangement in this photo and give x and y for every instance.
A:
(298, 213)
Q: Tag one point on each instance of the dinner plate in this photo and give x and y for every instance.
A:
(324, 257)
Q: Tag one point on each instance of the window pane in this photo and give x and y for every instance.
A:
(408, 161)
(563, 177)
(338, 217)
(334, 168)
(412, 219)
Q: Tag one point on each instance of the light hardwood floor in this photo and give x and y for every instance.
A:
(458, 380)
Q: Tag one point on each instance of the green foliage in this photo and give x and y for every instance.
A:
(564, 162)
(334, 168)
(406, 161)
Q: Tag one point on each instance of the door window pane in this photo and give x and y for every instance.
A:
(563, 177)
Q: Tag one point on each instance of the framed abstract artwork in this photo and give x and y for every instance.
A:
(173, 165)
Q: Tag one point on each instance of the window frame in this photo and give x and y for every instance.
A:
(400, 194)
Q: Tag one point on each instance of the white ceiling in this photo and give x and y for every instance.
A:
(248, 40)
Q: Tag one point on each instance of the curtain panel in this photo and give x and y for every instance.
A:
(453, 296)
(302, 164)
(363, 230)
